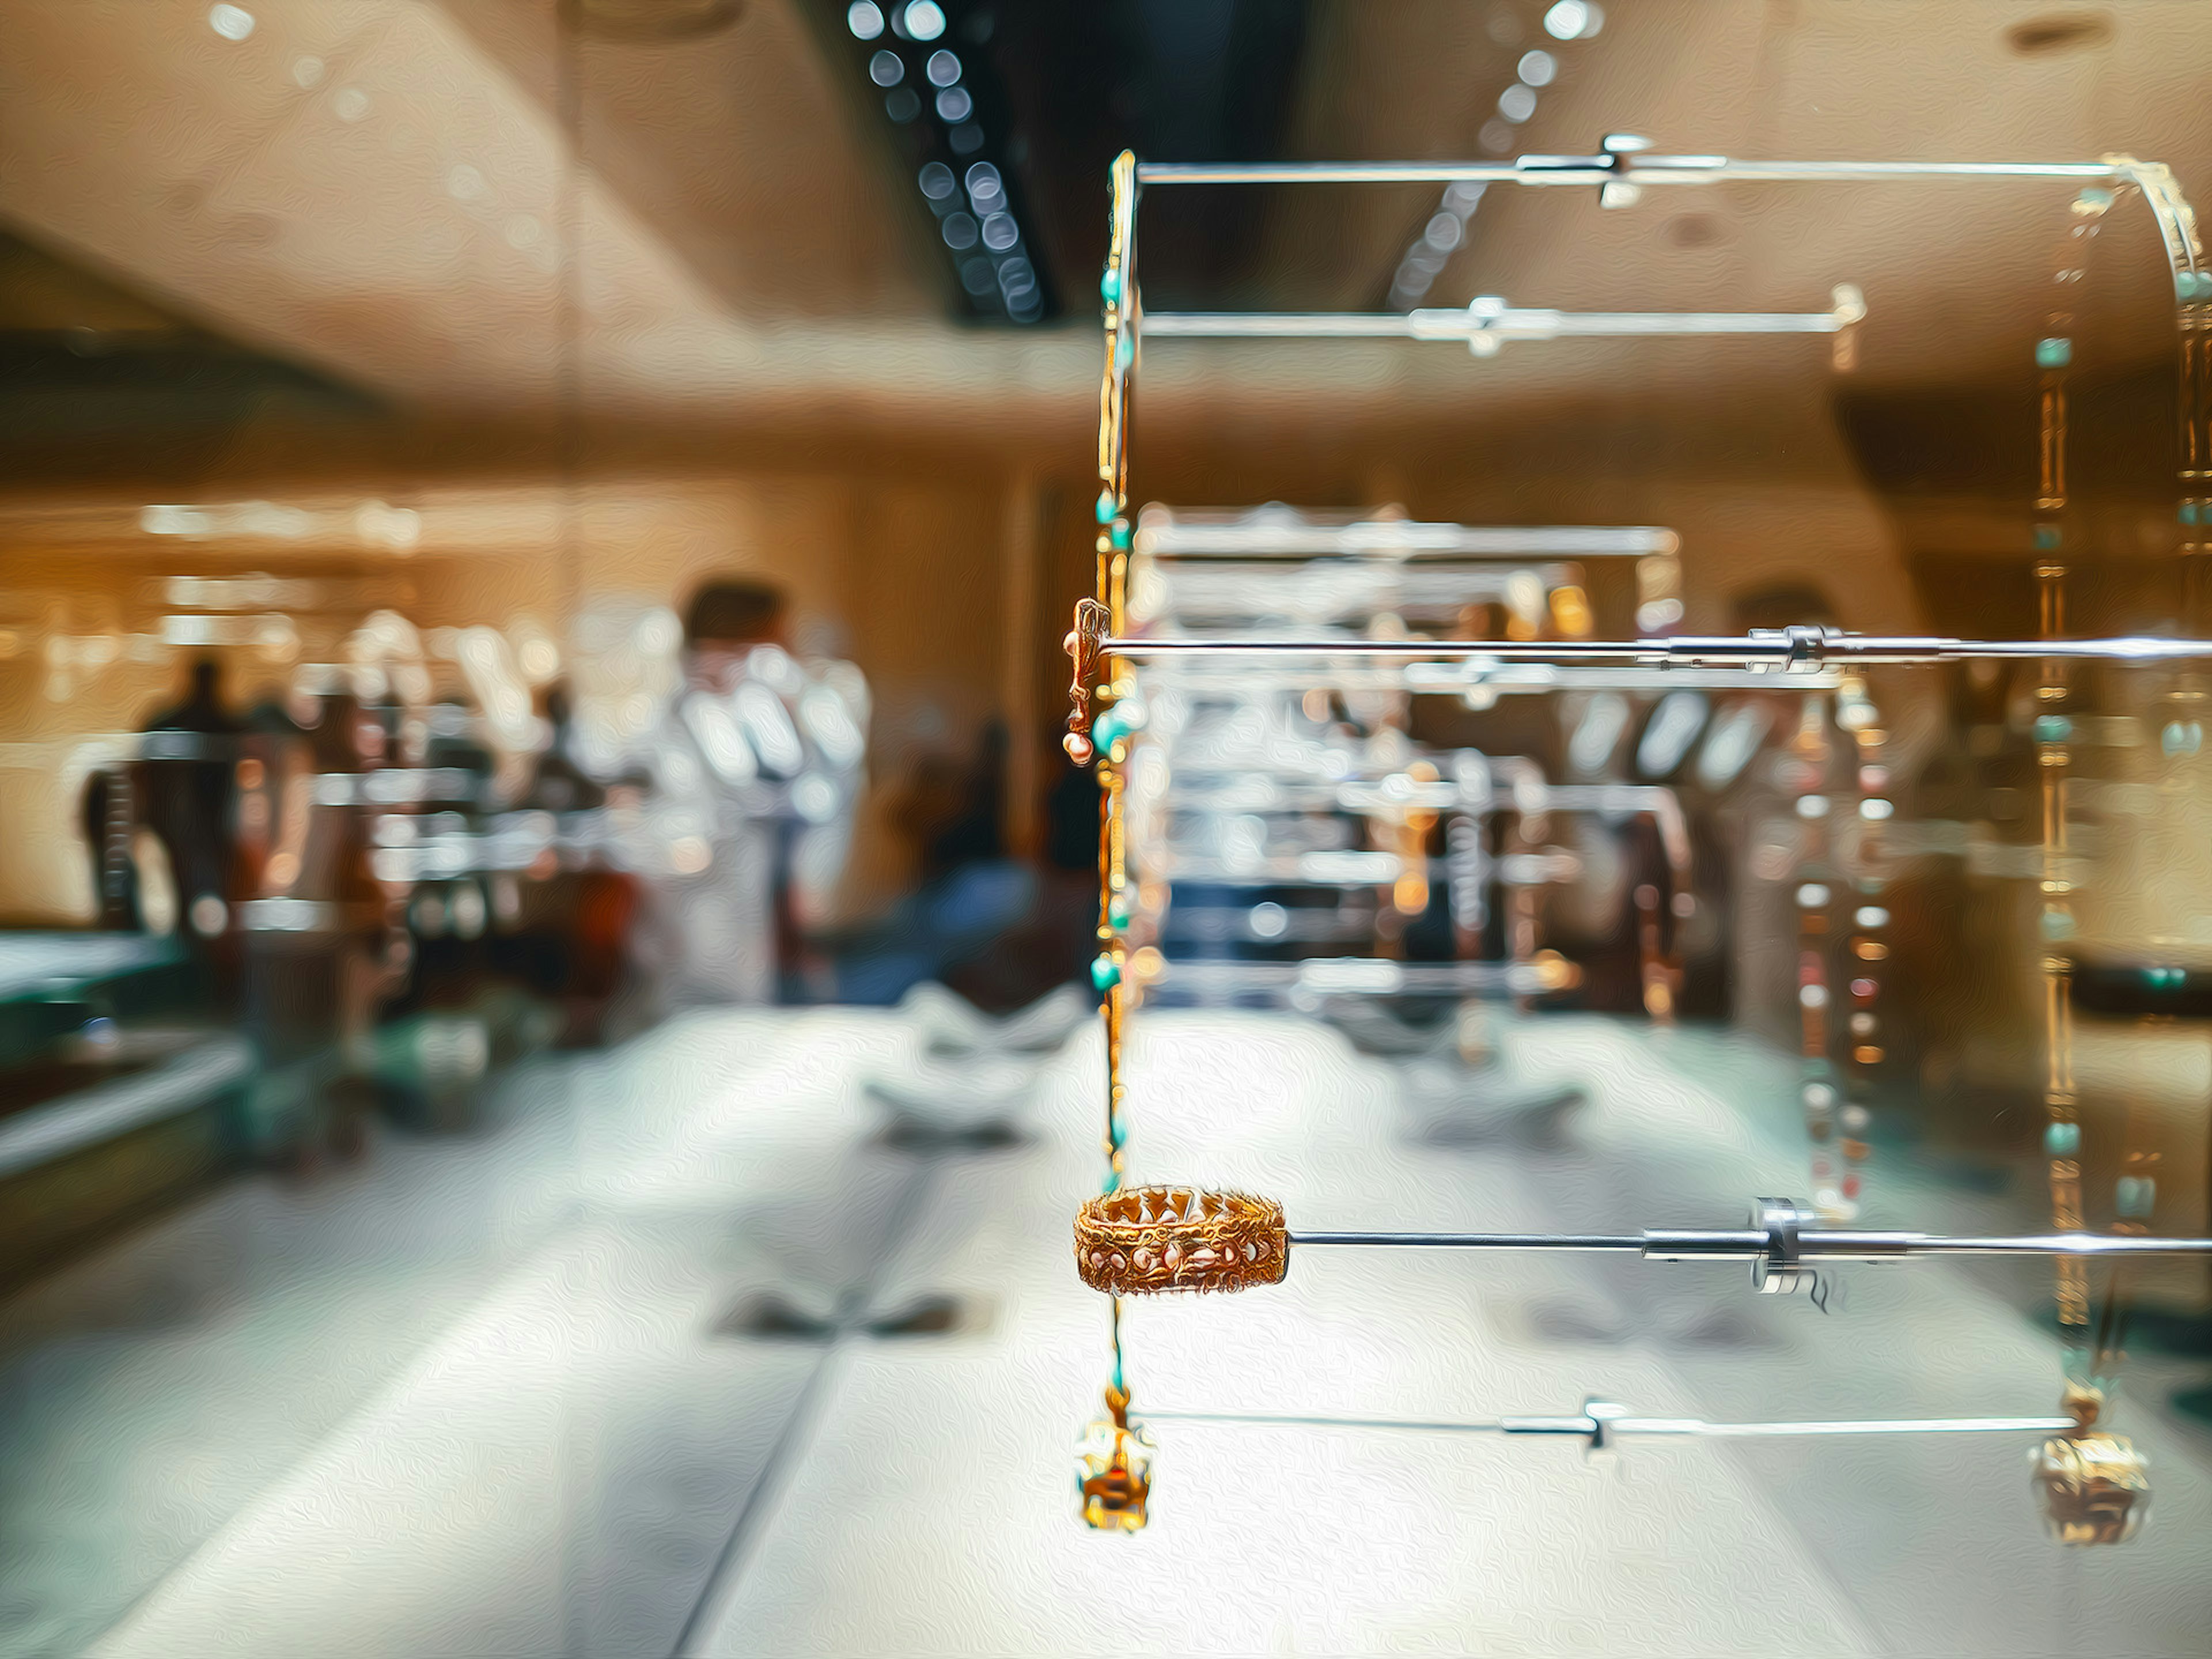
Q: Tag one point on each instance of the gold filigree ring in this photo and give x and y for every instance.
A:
(1148, 1239)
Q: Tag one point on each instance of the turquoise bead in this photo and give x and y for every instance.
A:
(1109, 286)
(1118, 1135)
(1119, 531)
(1105, 505)
(2058, 924)
(2134, 1197)
(1108, 729)
(1126, 352)
(1117, 912)
(1105, 973)
(1107, 1187)
(2053, 728)
(2054, 352)
(2047, 538)
(2061, 1140)
(2186, 512)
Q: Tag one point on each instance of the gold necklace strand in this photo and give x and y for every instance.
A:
(1806, 772)
(2095, 1485)
(2053, 731)
(1857, 715)
(1114, 1460)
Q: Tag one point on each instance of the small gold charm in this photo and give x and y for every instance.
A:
(1083, 645)
(1114, 1469)
(2095, 1488)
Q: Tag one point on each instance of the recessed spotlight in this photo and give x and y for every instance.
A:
(944, 69)
(865, 19)
(307, 72)
(885, 70)
(1538, 68)
(959, 231)
(1573, 19)
(1517, 103)
(231, 22)
(924, 20)
(953, 103)
(937, 181)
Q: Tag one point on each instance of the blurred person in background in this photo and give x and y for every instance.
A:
(759, 768)
(187, 793)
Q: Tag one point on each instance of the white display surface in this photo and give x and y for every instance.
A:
(579, 1443)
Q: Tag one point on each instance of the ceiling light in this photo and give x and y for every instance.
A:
(865, 19)
(231, 22)
(1538, 68)
(307, 72)
(924, 20)
(885, 70)
(944, 69)
(959, 231)
(1517, 103)
(954, 104)
(937, 181)
(1573, 19)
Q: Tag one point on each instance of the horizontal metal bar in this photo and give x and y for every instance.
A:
(1456, 325)
(1255, 536)
(1752, 1243)
(1584, 1426)
(1379, 977)
(1817, 1244)
(1621, 1242)
(1225, 679)
(1586, 171)
(1699, 1428)
(1746, 650)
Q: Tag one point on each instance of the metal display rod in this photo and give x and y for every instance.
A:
(1783, 649)
(1488, 322)
(1623, 162)
(1602, 1421)
(1263, 536)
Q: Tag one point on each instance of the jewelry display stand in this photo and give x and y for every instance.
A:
(1161, 633)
